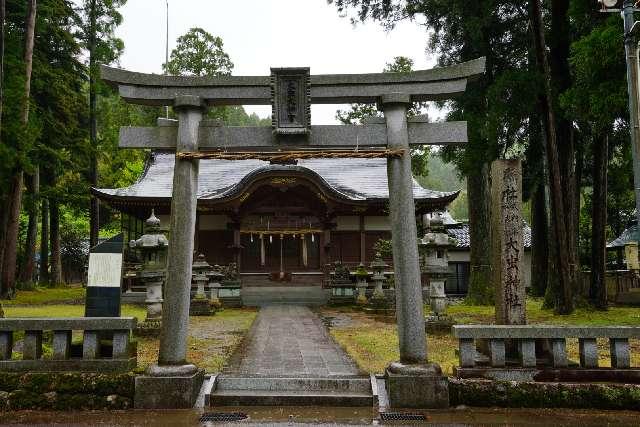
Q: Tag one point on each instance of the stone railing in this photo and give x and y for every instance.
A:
(106, 345)
(525, 337)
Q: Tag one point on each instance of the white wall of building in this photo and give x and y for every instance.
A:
(377, 223)
(465, 256)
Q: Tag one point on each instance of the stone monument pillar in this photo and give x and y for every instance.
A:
(507, 243)
(173, 382)
(411, 382)
(152, 247)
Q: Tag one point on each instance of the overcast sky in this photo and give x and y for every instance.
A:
(259, 34)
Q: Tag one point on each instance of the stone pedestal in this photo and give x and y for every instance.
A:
(200, 307)
(168, 387)
(417, 386)
(153, 322)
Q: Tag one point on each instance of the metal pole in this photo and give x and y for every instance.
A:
(631, 50)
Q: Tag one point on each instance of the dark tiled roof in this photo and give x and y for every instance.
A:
(461, 234)
(628, 235)
(348, 178)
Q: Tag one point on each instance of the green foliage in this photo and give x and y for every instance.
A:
(199, 53)
(384, 248)
(99, 38)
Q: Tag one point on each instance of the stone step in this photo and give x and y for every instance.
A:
(355, 384)
(289, 398)
(304, 295)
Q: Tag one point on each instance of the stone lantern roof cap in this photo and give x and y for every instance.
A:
(201, 263)
(378, 262)
(153, 221)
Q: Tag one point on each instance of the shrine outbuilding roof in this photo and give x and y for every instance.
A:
(461, 233)
(347, 179)
(629, 235)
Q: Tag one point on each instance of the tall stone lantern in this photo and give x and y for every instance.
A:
(152, 248)
(215, 280)
(200, 304)
(378, 299)
(434, 253)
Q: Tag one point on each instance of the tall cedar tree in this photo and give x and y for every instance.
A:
(99, 20)
(559, 221)
(8, 278)
(598, 102)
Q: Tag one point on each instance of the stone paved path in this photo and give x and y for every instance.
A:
(291, 340)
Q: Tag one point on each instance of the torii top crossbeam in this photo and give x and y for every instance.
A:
(426, 85)
(291, 91)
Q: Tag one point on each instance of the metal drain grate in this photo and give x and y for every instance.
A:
(223, 417)
(399, 416)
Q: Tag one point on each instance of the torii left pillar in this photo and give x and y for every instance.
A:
(173, 382)
(412, 382)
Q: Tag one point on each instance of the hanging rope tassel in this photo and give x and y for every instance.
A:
(286, 156)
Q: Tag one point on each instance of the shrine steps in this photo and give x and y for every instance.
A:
(256, 296)
(277, 391)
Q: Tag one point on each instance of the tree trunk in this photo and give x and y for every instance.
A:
(8, 279)
(93, 127)
(3, 214)
(562, 260)
(44, 243)
(481, 289)
(539, 240)
(598, 289)
(56, 256)
(29, 268)
(3, 15)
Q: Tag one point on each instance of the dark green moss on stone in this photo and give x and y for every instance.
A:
(66, 391)
(484, 393)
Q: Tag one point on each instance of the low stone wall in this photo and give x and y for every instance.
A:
(508, 394)
(65, 391)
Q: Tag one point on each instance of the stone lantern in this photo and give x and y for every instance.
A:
(434, 254)
(361, 274)
(378, 299)
(215, 280)
(152, 248)
(200, 305)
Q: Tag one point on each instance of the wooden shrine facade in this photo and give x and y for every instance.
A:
(267, 218)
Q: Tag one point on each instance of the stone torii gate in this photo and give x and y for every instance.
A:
(291, 91)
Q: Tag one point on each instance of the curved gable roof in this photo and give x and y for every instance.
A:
(350, 179)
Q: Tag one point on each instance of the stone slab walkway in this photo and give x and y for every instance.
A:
(290, 340)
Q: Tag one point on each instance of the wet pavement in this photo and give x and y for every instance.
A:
(290, 340)
(282, 416)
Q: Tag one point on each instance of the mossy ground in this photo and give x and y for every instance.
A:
(38, 296)
(211, 342)
(373, 342)
(212, 339)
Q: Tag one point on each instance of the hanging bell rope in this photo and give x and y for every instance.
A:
(287, 156)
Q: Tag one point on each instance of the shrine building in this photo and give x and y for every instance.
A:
(275, 220)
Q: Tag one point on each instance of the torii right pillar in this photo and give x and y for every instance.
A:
(411, 382)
